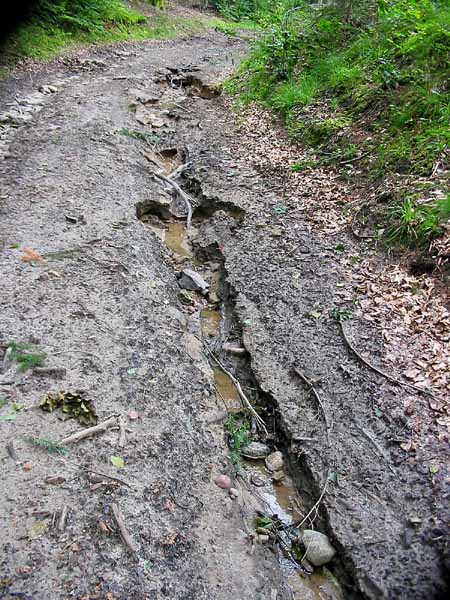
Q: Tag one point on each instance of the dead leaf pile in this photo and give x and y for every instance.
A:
(319, 193)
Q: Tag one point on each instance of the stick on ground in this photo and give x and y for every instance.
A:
(245, 400)
(124, 533)
(186, 199)
(379, 371)
(90, 431)
(63, 518)
(318, 398)
(123, 433)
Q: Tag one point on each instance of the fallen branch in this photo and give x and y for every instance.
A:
(318, 398)
(379, 371)
(181, 169)
(315, 507)
(63, 518)
(71, 463)
(124, 533)
(243, 397)
(90, 431)
(186, 199)
(355, 159)
(123, 433)
(376, 445)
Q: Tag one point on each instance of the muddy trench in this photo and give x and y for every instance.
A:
(286, 494)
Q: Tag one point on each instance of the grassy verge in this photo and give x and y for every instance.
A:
(368, 85)
(55, 25)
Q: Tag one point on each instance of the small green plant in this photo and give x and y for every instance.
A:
(415, 224)
(139, 135)
(264, 522)
(342, 314)
(27, 355)
(238, 429)
(50, 446)
(303, 165)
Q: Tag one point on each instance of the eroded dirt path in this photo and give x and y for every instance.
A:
(101, 298)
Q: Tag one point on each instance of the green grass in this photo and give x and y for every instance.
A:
(383, 72)
(417, 224)
(50, 446)
(27, 355)
(58, 25)
(238, 429)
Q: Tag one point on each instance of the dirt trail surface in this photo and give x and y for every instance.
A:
(91, 285)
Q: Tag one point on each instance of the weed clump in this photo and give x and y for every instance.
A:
(378, 67)
(27, 356)
(239, 435)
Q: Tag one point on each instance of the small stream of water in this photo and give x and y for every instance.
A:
(280, 499)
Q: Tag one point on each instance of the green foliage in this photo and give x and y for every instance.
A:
(27, 355)
(342, 314)
(239, 435)
(417, 224)
(241, 10)
(379, 64)
(56, 24)
(87, 15)
(49, 445)
(139, 135)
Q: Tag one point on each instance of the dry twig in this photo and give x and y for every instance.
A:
(124, 533)
(90, 431)
(246, 402)
(316, 505)
(71, 463)
(379, 371)
(318, 398)
(12, 452)
(63, 517)
(123, 433)
(186, 199)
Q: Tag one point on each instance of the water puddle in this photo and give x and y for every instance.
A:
(281, 499)
(227, 391)
(175, 239)
(277, 498)
(210, 322)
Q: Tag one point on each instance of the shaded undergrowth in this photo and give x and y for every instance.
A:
(53, 25)
(368, 87)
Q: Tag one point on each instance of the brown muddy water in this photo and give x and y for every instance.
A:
(279, 499)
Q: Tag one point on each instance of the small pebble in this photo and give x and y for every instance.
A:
(133, 415)
(233, 493)
(27, 466)
(278, 476)
(257, 480)
(223, 481)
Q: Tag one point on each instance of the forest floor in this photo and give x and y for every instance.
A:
(90, 250)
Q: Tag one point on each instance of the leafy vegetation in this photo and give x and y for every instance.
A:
(27, 355)
(49, 445)
(55, 24)
(360, 79)
(238, 429)
(416, 224)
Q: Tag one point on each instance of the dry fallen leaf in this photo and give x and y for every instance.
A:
(31, 255)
